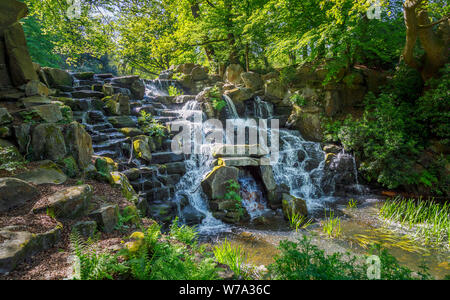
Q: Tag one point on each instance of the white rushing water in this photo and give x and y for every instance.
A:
(300, 167)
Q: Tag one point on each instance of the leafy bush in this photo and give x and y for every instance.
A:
(174, 91)
(305, 261)
(395, 129)
(150, 256)
(298, 100)
(233, 189)
(216, 99)
(151, 126)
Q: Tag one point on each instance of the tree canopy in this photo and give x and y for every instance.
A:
(148, 36)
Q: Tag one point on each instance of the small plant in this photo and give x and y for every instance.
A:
(352, 203)
(298, 221)
(151, 126)
(298, 100)
(331, 226)
(91, 265)
(216, 99)
(232, 256)
(233, 188)
(174, 91)
(184, 234)
(10, 159)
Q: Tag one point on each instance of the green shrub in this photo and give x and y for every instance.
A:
(150, 126)
(232, 256)
(305, 261)
(298, 100)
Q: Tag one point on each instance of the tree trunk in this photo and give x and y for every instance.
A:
(436, 48)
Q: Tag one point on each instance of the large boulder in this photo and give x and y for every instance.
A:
(49, 113)
(233, 74)
(122, 121)
(11, 11)
(214, 185)
(239, 94)
(292, 205)
(48, 142)
(106, 217)
(141, 147)
(275, 90)
(199, 73)
(57, 77)
(121, 181)
(185, 68)
(15, 192)
(308, 121)
(5, 117)
(69, 203)
(133, 83)
(252, 81)
(20, 64)
(79, 144)
(47, 173)
(36, 88)
(16, 245)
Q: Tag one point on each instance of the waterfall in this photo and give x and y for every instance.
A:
(197, 167)
(231, 107)
(252, 196)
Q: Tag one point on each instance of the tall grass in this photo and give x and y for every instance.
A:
(298, 221)
(232, 256)
(430, 220)
(331, 226)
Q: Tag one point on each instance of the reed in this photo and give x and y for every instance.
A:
(429, 220)
(331, 226)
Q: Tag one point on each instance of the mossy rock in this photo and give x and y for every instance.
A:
(4, 132)
(118, 179)
(105, 166)
(69, 166)
(84, 75)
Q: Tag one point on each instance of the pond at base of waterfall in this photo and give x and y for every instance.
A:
(260, 242)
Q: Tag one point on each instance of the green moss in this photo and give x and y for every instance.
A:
(69, 166)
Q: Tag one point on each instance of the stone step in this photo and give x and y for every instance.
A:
(166, 157)
(160, 194)
(102, 126)
(107, 153)
(83, 94)
(82, 88)
(99, 138)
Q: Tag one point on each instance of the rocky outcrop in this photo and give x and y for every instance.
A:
(79, 144)
(13, 49)
(15, 192)
(214, 185)
(57, 78)
(19, 61)
(252, 81)
(106, 217)
(47, 173)
(233, 74)
(17, 244)
(293, 205)
(69, 203)
(48, 142)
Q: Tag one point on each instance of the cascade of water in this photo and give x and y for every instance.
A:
(231, 107)
(252, 196)
(197, 167)
(263, 109)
